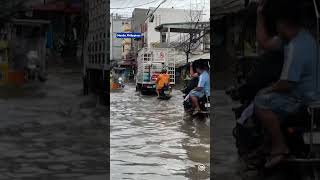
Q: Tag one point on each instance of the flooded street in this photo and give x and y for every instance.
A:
(152, 139)
(52, 132)
(226, 164)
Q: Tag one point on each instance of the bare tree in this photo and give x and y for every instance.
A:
(194, 38)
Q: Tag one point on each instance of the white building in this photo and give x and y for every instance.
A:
(117, 45)
(166, 15)
(138, 18)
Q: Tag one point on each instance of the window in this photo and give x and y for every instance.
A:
(163, 38)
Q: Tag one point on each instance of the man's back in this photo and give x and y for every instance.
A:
(204, 82)
(163, 79)
(300, 65)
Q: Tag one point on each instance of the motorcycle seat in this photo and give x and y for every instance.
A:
(300, 119)
(205, 99)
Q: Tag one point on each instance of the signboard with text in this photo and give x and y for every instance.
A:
(132, 35)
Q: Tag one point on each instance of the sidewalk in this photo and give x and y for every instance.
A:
(226, 165)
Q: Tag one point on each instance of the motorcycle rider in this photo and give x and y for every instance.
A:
(203, 88)
(162, 81)
(297, 82)
(194, 78)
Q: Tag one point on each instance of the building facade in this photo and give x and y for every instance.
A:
(97, 40)
(138, 18)
(117, 24)
(163, 16)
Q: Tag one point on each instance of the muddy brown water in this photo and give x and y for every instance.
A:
(50, 131)
(154, 139)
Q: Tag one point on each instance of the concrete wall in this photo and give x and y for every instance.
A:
(115, 43)
(163, 16)
(138, 18)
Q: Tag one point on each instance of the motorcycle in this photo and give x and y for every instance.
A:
(121, 83)
(33, 67)
(187, 103)
(301, 130)
(165, 93)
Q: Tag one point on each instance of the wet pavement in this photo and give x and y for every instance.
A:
(50, 131)
(153, 139)
(226, 164)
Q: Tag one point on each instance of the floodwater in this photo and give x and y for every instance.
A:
(50, 131)
(153, 139)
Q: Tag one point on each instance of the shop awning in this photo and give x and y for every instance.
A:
(57, 6)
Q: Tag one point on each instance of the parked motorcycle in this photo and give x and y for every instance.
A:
(301, 129)
(33, 67)
(120, 82)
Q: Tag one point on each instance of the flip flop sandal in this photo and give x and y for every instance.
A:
(257, 154)
(196, 113)
(275, 159)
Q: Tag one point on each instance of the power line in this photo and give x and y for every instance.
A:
(164, 1)
(136, 5)
(169, 3)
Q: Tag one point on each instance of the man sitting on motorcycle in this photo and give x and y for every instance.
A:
(193, 81)
(162, 81)
(203, 88)
(298, 78)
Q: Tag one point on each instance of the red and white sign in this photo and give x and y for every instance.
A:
(161, 55)
(155, 76)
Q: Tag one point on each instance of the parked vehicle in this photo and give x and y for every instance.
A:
(33, 70)
(150, 63)
(118, 78)
(23, 51)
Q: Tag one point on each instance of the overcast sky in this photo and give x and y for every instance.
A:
(128, 5)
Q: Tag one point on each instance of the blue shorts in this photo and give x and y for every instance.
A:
(198, 94)
(279, 103)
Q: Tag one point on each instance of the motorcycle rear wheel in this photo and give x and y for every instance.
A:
(311, 173)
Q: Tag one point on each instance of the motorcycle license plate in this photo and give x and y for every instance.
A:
(166, 92)
(315, 138)
(207, 105)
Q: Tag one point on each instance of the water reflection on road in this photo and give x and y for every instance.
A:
(152, 139)
(52, 132)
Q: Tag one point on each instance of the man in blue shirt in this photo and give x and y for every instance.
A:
(297, 84)
(203, 88)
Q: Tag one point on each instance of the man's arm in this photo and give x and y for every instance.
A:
(201, 83)
(291, 70)
(158, 78)
(191, 70)
(264, 40)
(198, 88)
(282, 86)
